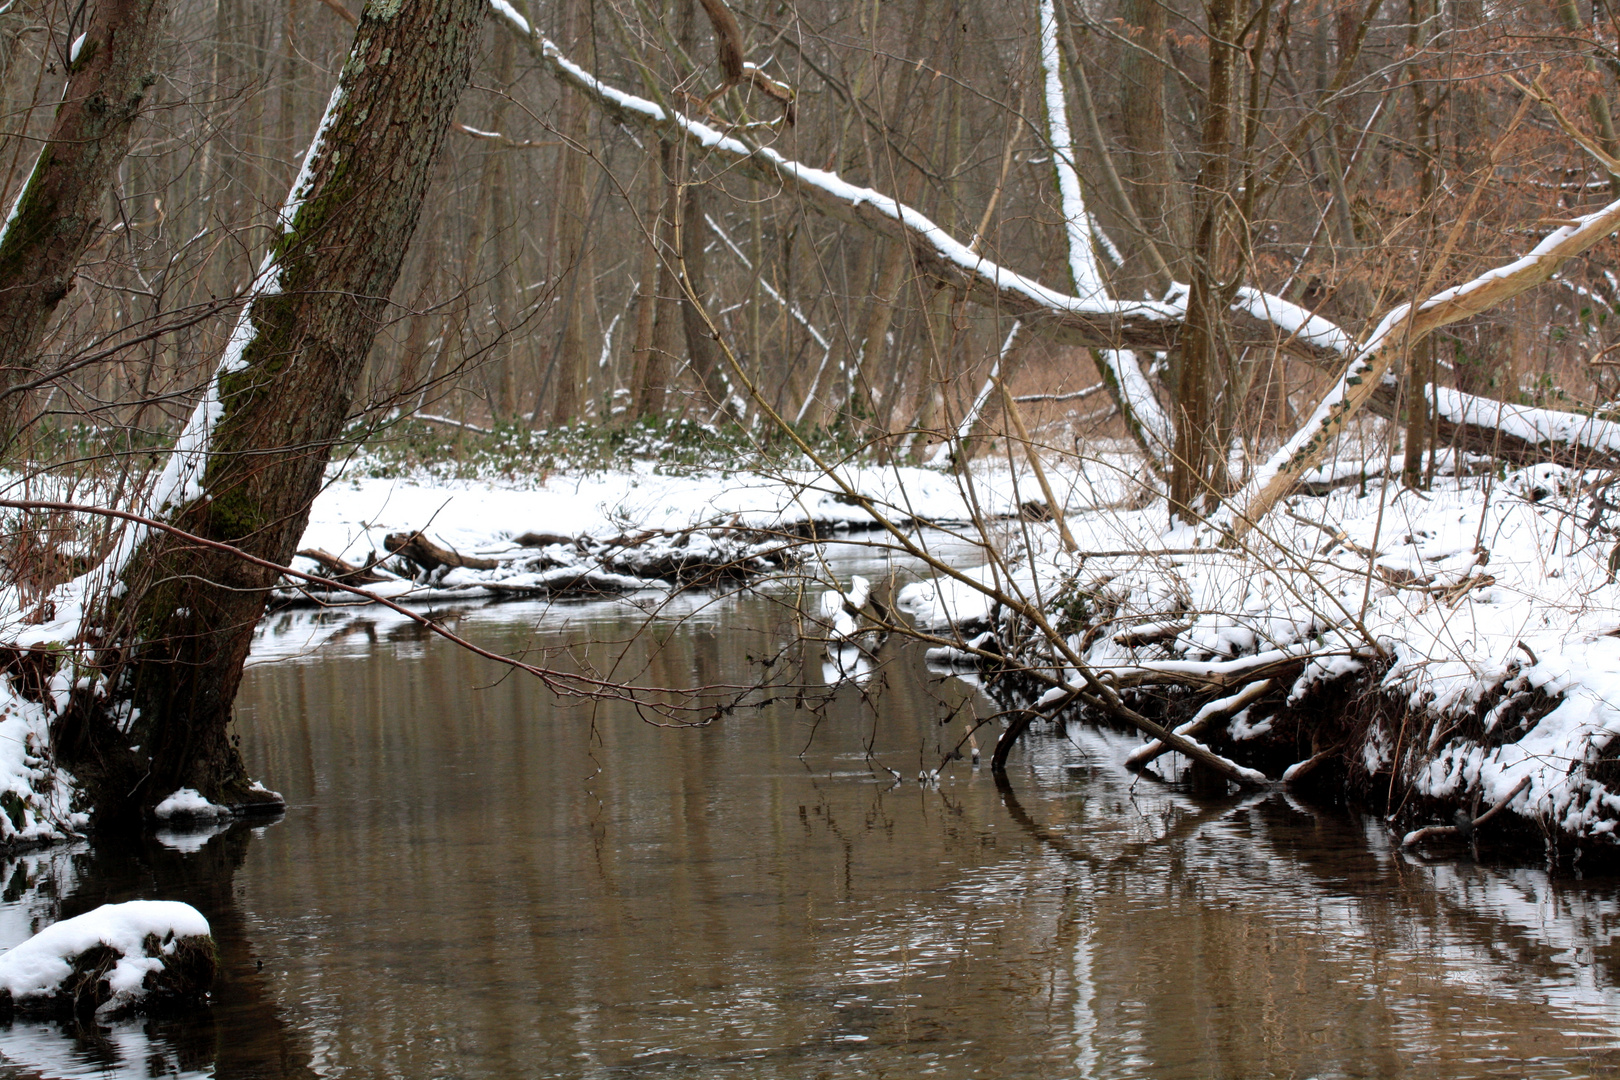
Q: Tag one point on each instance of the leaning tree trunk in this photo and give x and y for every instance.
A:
(55, 216)
(172, 637)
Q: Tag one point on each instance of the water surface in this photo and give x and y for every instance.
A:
(474, 879)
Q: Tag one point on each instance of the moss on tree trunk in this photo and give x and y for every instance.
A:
(172, 645)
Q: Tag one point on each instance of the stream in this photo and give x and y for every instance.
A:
(474, 879)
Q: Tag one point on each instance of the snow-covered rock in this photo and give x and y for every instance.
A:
(116, 958)
(188, 803)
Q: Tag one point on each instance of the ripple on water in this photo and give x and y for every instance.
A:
(474, 881)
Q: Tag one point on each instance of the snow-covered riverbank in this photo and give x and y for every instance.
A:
(1453, 649)
(352, 516)
(722, 516)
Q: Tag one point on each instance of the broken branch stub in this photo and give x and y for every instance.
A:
(339, 570)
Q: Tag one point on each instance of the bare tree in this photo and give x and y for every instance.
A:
(174, 632)
(112, 65)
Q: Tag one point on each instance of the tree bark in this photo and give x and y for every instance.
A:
(669, 331)
(702, 355)
(1150, 162)
(646, 371)
(572, 215)
(495, 220)
(701, 351)
(57, 212)
(1196, 472)
(172, 637)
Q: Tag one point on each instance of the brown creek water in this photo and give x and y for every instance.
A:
(475, 880)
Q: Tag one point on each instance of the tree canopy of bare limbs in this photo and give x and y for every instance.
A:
(1314, 153)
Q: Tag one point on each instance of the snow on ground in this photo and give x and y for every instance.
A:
(351, 517)
(42, 966)
(35, 796)
(620, 532)
(1474, 598)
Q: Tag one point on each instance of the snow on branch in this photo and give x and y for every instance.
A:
(1404, 326)
(1083, 268)
(1528, 433)
(1094, 321)
(1148, 423)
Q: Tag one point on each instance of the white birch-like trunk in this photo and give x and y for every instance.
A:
(1148, 422)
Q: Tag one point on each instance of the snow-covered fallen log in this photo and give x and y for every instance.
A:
(119, 958)
(1522, 434)
(554, 566)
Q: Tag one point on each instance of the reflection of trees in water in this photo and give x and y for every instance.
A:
(242, 1035)
(1214, 911)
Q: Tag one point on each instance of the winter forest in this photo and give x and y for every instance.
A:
(824, 537)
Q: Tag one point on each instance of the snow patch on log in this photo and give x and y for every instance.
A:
(1534, 426)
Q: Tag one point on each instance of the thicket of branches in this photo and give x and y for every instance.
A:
(1318, 151)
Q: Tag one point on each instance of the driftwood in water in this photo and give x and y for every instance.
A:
(430, 556)
(338, 570)
(1466, 824)
(583, 565)
(664, 554)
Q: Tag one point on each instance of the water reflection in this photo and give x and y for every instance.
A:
(476, 880)
(240, 1035)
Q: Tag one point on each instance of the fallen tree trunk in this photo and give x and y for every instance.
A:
(430, 556)
(1523, 435)
(1363, 376)
(338, 570)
